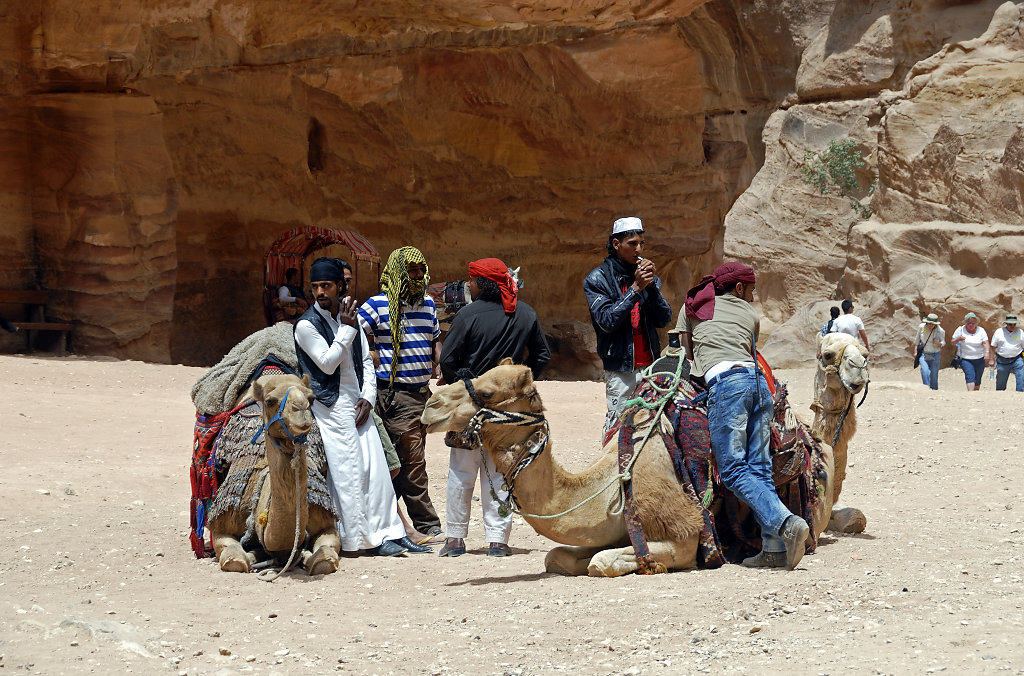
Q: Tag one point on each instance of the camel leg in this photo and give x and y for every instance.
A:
(324, 557)
(232, 558)
(569, 560)
(667, 554)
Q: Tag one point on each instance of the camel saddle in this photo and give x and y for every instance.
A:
(730, 533)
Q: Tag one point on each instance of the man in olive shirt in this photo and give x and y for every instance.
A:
(718, 329)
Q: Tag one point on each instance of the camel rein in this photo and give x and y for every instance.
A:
(539, 440)
(298, 457)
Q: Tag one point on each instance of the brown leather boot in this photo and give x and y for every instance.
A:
(766, 560)
(794, 533)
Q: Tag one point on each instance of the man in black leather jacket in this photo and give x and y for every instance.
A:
(626, 309)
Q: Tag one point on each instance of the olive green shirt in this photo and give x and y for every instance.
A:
(725, 337)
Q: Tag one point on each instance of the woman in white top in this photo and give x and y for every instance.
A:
(972, 345)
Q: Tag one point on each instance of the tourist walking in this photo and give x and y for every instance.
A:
(973, 348)
(1008, 353)
(929, 339)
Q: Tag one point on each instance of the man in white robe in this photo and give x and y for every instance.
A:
(336, 356)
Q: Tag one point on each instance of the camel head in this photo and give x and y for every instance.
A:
(506, 387)
(842, 363)
(295, 415)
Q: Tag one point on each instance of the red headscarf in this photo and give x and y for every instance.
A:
(700, 300)
(496, 271)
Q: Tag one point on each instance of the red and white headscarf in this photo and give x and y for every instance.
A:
(700, 300)
(496, 271)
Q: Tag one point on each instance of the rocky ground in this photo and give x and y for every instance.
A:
(98, 576)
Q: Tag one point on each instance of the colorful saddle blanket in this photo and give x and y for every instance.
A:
(730, 532)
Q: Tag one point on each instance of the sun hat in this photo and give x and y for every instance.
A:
(970, 315)
(932, 318)
(1010, 319)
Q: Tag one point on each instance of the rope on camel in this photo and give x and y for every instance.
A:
(297, 456)
(667, 391)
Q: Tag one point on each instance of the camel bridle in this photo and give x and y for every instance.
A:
(298, 459)
(532, 447)
(278, 417)
(834, 367)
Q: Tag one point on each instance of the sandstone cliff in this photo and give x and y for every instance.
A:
(153, 150)
(932, 93)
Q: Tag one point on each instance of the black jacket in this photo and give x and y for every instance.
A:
(482, 335)
(610, 314)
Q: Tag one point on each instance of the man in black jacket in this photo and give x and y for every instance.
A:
(626, 309)
(494, 326)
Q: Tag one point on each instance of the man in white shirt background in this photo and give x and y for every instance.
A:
(850, 323)
(1008, 346)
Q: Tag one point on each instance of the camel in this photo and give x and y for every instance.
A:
(595, 532)
(842, 373)
(270, 507)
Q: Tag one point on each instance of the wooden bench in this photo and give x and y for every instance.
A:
(33, 319)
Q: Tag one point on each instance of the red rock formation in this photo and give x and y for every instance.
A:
(154, 150)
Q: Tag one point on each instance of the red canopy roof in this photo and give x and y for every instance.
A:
(291, 248)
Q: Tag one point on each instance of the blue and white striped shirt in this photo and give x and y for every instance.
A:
(415, 352)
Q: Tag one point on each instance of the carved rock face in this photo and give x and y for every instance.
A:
(150, 154)
(177, 143)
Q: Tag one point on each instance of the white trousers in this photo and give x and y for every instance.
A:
(464, 466)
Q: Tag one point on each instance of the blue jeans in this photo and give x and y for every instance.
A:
(930, 363)
(1003, 368)
(974, 369)
(739, 411)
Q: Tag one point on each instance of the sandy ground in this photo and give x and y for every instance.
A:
(97, 575)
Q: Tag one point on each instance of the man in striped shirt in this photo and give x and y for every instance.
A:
(403, 315)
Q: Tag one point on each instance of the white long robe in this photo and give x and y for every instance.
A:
(359, 481)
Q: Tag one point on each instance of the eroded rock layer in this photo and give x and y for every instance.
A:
(933, 96)
(154, 150)
(150, 152)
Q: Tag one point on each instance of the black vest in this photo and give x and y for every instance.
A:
(325, 386)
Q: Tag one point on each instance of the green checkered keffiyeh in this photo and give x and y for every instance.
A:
(398, 287)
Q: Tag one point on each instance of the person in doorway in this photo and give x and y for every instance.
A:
(626, 310)
(494, 326)
(1008, 353)
(972, 345)
(718, 329)
(931, 337)
(334, 353)
(291, 296)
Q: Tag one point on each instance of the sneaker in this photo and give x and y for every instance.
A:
(766, 560)
(794, 533)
